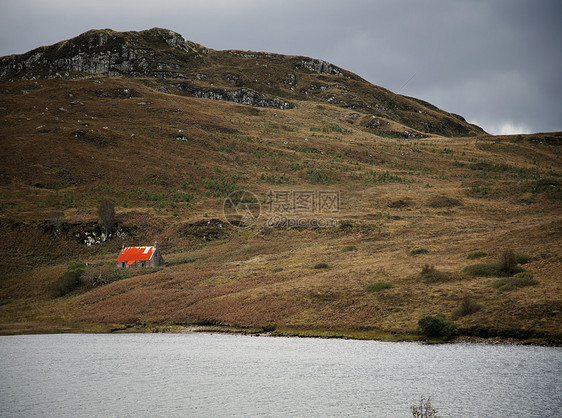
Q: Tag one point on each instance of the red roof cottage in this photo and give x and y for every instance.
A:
(140, 257)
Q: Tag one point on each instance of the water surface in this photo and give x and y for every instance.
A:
(136, 375)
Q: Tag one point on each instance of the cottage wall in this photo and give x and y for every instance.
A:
(157, 260)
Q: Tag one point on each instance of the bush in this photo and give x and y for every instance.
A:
(321, 266)
(424, 409)
(476, 254)
(69, 280)
(277, 269)
(430, 275)
(77, 268)
(524, 275)
(522, 258)
(521, 279)
(508, 264)
(505, 267)
(378, 286)
(349, 248)
(482, 270)
(65, 284)
(437, 326)
(105, 275)
(468, 307)
(106, 214)
(268, 328)
(416, 251)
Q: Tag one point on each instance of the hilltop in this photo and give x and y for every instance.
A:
(166, 129)
(254, 78)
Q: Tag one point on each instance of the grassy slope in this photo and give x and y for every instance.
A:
(68, 144)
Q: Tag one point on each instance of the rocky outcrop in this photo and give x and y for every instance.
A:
(243, 96)
(156, 52)
(319, 66)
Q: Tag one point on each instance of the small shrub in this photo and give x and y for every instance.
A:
(321, 266)
(511, 283)
(431, 275)
(277, 269)
(521, 258)
(416, 251)
(349, 248)
(268, 328)
(378, 286)
(524, 275)
(69, 280)
(505, 267)
(468, 307)
(106, 214)
(476, 254)
(57, 219)
(482, 270)
(424, 409)
(437, 326)
(65, 284)
(77, 268)
(104, 274)
(508, 264)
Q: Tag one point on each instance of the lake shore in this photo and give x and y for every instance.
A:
(34, 328)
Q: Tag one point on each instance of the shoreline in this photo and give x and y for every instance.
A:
(11, 329)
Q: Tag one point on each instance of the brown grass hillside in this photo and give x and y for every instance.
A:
(167, 161)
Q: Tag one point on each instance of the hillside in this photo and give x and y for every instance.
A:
(256, 78)
(166, 129)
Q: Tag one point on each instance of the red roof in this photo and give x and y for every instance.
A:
(132, 254)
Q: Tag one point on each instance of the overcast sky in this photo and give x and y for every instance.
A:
(498, 63)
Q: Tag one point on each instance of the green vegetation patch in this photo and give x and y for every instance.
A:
(468, 306)
(222, 186)
(417, 251)
(378, 286)
(430, 274)
(349, 248)
(476, 254)
(482, 270)
(69, 280)
(321, 266)
(521, 279)
(521, 258)
(507, 266)
(437, 326)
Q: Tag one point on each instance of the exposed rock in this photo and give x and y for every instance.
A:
(103, 52)
(319, 66)
(243, 96)
(373, 122)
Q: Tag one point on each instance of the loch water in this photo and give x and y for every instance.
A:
(214, 375)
